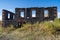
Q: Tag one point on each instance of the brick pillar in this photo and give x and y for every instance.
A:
(38, 14)
(4, 18)
(17, 13)
(28, 14)
(55, 12)
(25, 14)
(51, 14)
(41, 11)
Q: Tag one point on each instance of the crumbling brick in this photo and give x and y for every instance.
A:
(16, 19)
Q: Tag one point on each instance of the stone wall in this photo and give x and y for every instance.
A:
(16, 19)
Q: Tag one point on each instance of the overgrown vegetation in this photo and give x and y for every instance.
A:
(39, 31)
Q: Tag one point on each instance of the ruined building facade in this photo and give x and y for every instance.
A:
(31, 15)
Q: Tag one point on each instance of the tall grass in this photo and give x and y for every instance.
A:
(38, 31)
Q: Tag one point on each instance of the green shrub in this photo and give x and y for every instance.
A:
(24, 27)
(56, 24)
(2, 29)
(10, 29)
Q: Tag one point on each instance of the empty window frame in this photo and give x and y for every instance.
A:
(46, 13)
(22, 14)
(8, 15)
(33, 13)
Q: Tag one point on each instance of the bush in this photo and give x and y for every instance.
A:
(56, 23)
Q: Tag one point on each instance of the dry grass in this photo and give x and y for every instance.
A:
(42, 31)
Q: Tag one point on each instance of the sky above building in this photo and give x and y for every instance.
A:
(12, 4)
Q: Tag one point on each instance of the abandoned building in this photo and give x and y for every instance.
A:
(31, 15)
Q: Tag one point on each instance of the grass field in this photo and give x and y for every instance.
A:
(39, 31)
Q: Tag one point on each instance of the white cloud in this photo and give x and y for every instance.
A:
(0, 17)
(58, 14)
(33, 16)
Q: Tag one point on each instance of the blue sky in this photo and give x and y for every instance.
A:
(12, 4)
